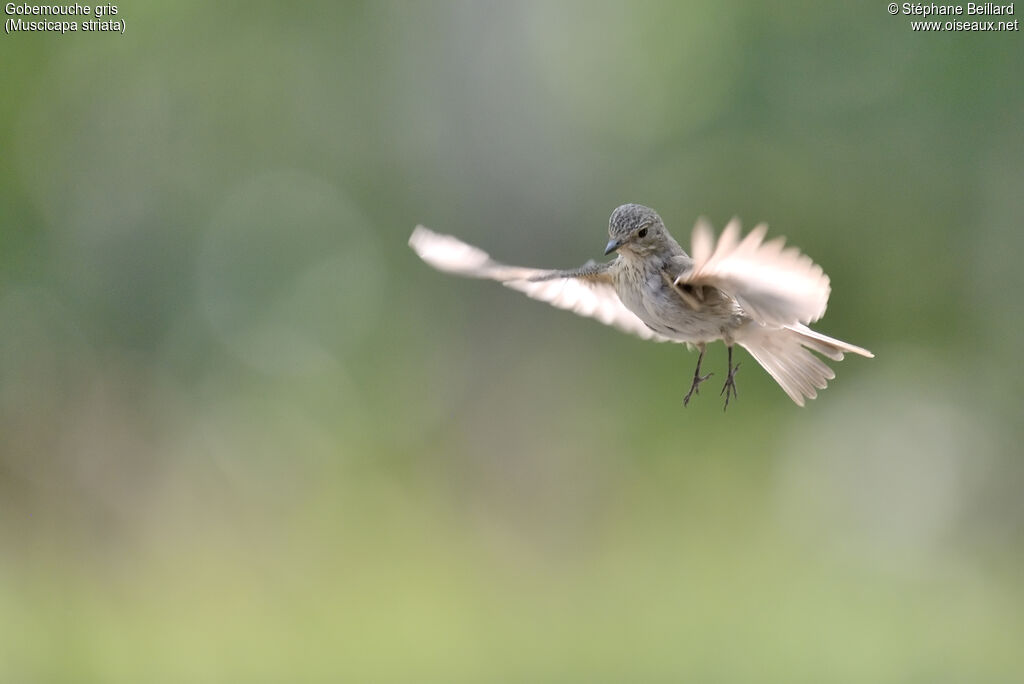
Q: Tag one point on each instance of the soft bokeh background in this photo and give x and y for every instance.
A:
(245, 435)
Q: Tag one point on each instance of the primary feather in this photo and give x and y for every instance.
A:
(774, 285)
(587, 291)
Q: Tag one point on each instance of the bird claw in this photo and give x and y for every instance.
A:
(695, 387)
(730, 386)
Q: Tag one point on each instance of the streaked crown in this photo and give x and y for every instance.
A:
(631, 217)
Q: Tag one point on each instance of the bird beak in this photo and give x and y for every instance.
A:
(613, 245)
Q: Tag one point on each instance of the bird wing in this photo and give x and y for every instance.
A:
(587, 291)
(775, 285)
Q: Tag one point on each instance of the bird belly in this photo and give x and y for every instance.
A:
(675, 319)
(665, 312)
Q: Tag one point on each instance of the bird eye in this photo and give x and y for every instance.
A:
(642, 233)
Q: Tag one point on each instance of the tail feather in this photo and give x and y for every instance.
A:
(783, 352)
(829, 346)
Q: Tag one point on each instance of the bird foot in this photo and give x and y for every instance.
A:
(695, 387)
(730, 386)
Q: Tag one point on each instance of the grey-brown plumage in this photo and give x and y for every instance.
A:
(757, 294)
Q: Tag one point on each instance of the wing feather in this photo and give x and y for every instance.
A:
(587, 291)
(775, 284)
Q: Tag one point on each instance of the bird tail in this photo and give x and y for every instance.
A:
(783, 352)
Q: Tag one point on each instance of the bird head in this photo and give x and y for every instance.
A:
(636, 229)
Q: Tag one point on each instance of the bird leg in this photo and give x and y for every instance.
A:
(730, 381)
(697, 377)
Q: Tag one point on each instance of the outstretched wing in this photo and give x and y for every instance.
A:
(774, 284)
(587, 291)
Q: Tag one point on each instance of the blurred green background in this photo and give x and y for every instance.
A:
(245, 435)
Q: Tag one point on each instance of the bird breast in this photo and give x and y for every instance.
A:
(645, 292)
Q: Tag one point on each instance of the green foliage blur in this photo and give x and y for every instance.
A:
(246, 435)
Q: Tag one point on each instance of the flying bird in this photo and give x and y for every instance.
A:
(757, 294)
